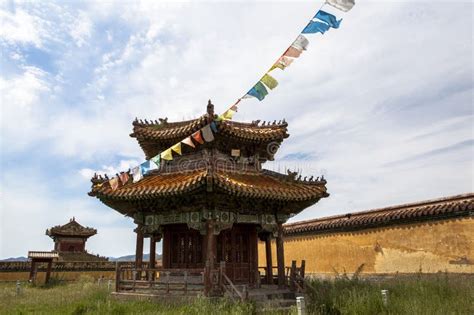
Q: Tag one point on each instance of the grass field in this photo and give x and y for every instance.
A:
(418, 295)
(438, 294)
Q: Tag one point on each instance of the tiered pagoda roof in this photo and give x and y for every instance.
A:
(264, 185)
(71, 229)
(210, 175)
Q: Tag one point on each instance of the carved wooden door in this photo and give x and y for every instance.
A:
(235, 247)
(186, 248)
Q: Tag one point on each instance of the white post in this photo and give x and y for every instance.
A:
(18, 287)
(384, 297)
(109, 285)
(300, 305)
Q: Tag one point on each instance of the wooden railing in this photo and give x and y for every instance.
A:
(159, 280)
(227, 286)
(293, 275)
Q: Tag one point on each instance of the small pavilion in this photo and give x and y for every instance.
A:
(213, 203)
(70, 241)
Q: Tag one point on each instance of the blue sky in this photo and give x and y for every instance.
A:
(382, 106)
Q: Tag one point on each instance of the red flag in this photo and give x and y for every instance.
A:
(292, 52)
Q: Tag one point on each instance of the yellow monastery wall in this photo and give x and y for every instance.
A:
(446, 245)
(65, 275)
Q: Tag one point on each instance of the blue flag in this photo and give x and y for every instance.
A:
(259, 91)
(147, 167)
(315, 27)
(328, 18)
(214, 127)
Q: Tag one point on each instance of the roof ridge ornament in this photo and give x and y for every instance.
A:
(210, 109)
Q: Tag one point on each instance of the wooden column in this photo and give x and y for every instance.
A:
(280, 257)
(33, 271)
(268, 255)
(48, 271)
(166, 256)
(211, 255)
(139, 251)
(152, 251)
(211, 249)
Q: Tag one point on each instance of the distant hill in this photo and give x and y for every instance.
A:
(132, 258)
(15, 259)
(121, 258)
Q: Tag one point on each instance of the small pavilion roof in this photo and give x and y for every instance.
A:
(43, 255)
(265, 185)
(435, 209)
(72, 228)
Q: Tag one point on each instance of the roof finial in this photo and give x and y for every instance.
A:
(210, 109)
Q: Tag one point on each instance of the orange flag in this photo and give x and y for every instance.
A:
(197, 136)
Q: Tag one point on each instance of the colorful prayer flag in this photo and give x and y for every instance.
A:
(167, 155)
(124, 177)
(189, 142)
(137, 173)
(228, 114)
(328, 18)
(197, 136)
(148, 166)
(207, 133)
(177, 148)
(343, 5)
(258, 90)
(157, 160)
(292, 52)
(282, 63)
(315, 27)
(114, 182)
(269, 81)
(214, 126)
(300, 43)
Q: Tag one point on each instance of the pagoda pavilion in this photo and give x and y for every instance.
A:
(212, 203)
(70, 241)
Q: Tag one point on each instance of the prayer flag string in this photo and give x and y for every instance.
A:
(321, 22)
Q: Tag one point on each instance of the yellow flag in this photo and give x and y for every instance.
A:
(177, 148)
(269, 81)
(228, 114)
(167, 155)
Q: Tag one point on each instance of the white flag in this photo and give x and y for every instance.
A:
(343, 5)
(137, 173)
(300, 43)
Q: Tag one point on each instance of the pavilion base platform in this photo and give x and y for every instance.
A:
(184, 285)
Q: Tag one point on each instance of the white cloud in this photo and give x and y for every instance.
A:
(379, 106)
(20, 97)
(20, 27)
(81, 29)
